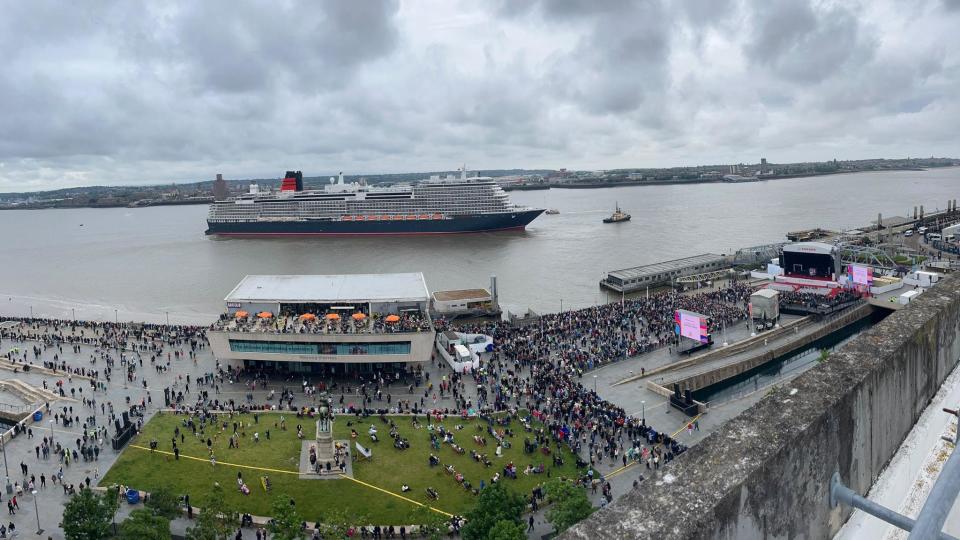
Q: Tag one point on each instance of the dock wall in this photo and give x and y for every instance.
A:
(766, 473)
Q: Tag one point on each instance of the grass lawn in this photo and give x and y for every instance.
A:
(388, 469)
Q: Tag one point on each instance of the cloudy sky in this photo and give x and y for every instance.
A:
(124, 92)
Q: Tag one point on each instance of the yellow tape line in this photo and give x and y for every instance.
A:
(396, 495)
(616, 472)
(685, 424)
(296, 473)
(219, 462)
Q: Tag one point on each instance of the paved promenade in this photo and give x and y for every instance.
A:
(147, 386)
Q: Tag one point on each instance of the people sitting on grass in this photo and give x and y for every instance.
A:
(531, 469)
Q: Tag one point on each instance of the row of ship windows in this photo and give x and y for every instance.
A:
(365, 208)
(374, 208)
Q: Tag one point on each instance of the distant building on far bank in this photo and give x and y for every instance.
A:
(219, 188)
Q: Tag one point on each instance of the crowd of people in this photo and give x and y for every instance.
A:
(598, 335)
(377, 323)
(536, 367)
(814, 300)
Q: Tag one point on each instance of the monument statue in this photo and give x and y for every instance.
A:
(323, 423)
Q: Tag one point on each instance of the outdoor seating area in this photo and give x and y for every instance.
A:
(332, 322)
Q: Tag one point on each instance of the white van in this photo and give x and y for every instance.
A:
(934, 236)
(922, 230)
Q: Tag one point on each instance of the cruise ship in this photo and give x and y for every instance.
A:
(438, 205)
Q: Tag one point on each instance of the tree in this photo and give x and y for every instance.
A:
(88, 516)
(496, 503)
(569, 504)
(164, 503)
(507, 530)
(144, 524)
(216, 521)
(336, 523)
(432, 525)
(286, 521)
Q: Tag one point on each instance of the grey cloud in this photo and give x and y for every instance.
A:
(243, 47)
(114, 92)
(806, 44)
(620, 60)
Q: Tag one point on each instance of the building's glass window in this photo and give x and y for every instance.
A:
(291, 347)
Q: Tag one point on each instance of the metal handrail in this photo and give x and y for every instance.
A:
(936, 509)
(942, 497)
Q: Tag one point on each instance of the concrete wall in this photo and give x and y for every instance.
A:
(721, 373)
(765, 474)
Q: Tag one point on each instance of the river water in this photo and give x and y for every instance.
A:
(147, 263)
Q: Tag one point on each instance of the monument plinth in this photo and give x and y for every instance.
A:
(325, 444)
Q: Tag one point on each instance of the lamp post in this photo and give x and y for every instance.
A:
(74, 312)
(594, 384)
(643, 413)
(168, 318)
(51, 432)
(6, 471)
(116, 317)
(31, 312)
(37, 510)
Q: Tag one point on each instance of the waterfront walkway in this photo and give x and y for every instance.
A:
(177, 366)
(51, 498)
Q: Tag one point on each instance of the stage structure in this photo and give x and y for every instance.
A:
(692, 331)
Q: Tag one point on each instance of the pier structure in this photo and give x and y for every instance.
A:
(666, 273)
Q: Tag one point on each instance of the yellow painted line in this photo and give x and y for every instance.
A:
(685, 424)
(219, 462)
(616, 472)
(396, 495)
(619, 471)
(296, 473)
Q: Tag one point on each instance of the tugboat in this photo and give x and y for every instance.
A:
(617, 216)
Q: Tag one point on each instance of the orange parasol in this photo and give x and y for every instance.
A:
(392, 318)
(359, 316)
(241, 314)
(333, 317)
(264, 314)
(308, 317)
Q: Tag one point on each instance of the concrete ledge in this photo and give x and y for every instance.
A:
(712, 375)
(766, 473)
(723, 352)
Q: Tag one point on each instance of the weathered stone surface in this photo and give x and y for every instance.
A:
(766, 473)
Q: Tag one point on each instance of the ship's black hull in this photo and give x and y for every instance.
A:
(457, 225)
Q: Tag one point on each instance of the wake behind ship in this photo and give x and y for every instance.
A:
(434, 206)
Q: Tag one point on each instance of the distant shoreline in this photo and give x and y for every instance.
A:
(520, 187)
(149, 204)
(746, 180)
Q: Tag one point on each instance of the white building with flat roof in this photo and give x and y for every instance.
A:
(332, 324)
